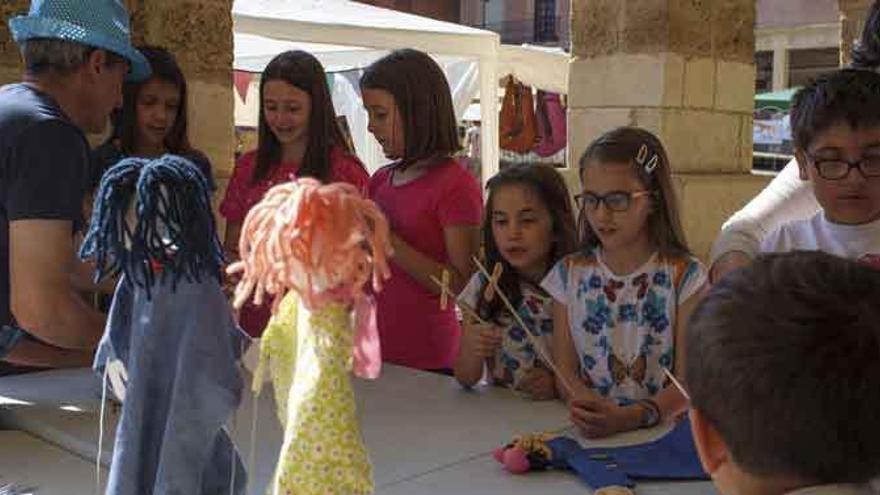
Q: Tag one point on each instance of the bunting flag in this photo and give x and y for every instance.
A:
(242, 81)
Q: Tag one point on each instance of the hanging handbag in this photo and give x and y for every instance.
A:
(517, 128)
(551, 125)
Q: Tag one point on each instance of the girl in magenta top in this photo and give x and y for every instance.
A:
(298, 136)
(432, 203)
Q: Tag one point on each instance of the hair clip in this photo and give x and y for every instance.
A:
(642, 155)
(642, 158)
(652, 164)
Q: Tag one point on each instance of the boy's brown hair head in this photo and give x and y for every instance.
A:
(783, 360)
(847, 95)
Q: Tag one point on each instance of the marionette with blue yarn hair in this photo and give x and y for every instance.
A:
(171, 344)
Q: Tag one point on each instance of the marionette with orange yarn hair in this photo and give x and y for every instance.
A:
(314, 247)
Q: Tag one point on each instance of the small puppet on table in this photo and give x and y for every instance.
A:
(314, 247)
(170, 334)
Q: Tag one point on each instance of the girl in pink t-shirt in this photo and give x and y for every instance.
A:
(432, 203)
(298, 136)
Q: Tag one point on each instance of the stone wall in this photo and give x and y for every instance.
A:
(10, 60)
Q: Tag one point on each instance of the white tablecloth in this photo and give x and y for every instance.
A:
(28, 461)
(425, 433)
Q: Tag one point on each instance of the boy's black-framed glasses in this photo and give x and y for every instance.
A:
(838, 169)
(617, 201)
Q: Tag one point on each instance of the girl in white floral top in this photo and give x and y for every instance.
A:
(622, 301)
(528, 226)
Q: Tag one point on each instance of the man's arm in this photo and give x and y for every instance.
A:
(43, 298)
(31, 352)
(82, 276)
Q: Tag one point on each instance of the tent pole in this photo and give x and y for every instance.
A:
(489, 144)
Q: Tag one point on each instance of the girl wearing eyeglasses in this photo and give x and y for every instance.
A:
(622, 301)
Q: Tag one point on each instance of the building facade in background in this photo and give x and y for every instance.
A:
(543, 22)
(795, 40)
(444, 10)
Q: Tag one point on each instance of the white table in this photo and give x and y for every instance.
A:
(425, 433)
(29, 461)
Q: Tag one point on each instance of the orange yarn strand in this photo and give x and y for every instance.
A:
(318, 240)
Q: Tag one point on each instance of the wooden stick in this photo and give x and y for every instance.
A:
(492, 283)
(539, 347)
(677, 383)
(444, 288)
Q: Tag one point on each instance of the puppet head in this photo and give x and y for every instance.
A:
(322, 241)
(525, 453)
(153, 216)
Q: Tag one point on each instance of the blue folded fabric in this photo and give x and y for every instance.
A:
(567, 453)
(180, 347)
(671, 457)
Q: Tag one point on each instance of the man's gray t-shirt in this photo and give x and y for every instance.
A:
(44, 166)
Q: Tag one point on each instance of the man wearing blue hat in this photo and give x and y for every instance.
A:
(76, 54)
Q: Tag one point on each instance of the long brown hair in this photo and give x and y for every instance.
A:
(303, 71)
(422, 96)
(549, 187)
(164, 67)
(622, 145)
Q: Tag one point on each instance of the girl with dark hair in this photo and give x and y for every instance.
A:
(298, 136)
(152, 120)
(622, 302)
(528, 226)
(432, 203)
(787, 197)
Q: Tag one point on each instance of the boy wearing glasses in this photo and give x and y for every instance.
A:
(836, 129)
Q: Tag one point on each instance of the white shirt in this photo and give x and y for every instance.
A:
(785, 199)
(856, 242)
(623, 325)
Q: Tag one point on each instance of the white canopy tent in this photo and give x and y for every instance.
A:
(537, 66)
(348, 23)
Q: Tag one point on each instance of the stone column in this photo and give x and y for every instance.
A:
(683, 69)
(852, 18)
(780, 68)
(10, 59)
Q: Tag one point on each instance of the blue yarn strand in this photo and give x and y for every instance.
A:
(174, 224)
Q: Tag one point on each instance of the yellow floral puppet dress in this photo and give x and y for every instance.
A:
(316, 245)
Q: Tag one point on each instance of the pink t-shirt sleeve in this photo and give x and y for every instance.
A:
(461, 202)
(234, 205)
(376, 180)
(347, 168)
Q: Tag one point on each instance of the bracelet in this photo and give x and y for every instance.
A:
(651, 416)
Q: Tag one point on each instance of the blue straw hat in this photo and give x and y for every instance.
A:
(98, 23)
